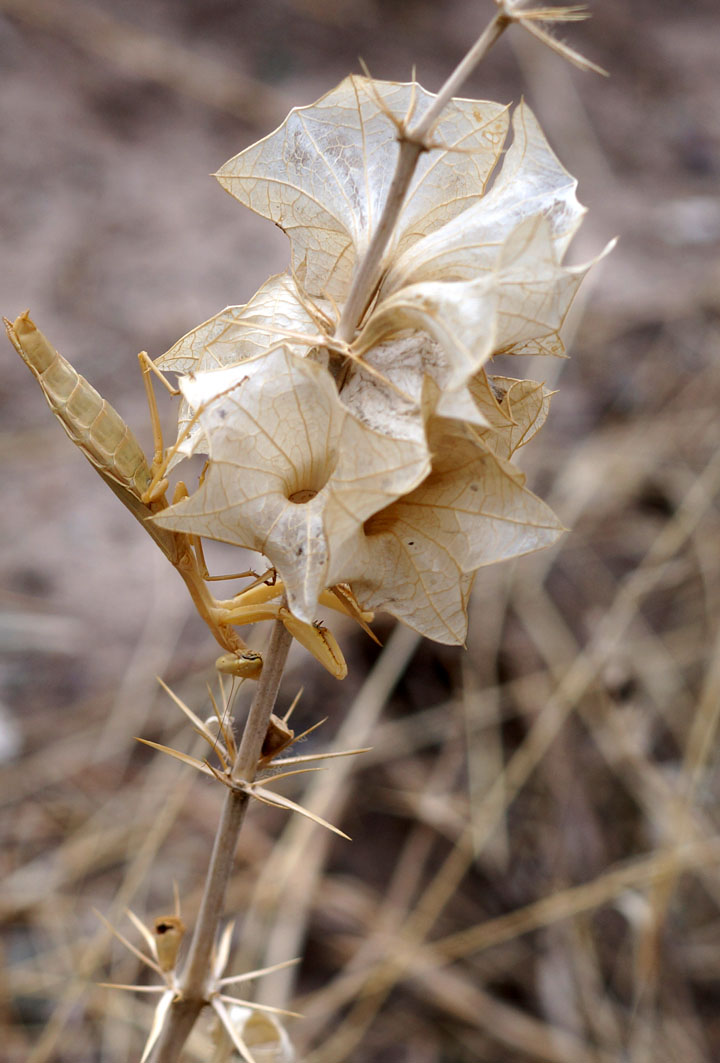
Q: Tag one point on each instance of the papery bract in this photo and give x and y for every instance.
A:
(515, 410)
(518, 307)
(534, 291)
(323, 175)
(457, 256)
(401, 382)
(531, 182)
(459, 316)
(477, 271)
(331, 477)
(291, 473)
(277, 314)
(415, 558)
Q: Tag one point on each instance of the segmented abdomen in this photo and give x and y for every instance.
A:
(90, 421)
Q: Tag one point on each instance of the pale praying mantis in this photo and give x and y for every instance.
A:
(111, 447)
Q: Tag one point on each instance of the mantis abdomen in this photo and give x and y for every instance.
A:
(111, 447)
(91, 422)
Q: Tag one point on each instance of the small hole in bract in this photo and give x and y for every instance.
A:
(299, 498)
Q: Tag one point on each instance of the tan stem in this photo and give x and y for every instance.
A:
(193, 982)
(462, 71)
(368, 275)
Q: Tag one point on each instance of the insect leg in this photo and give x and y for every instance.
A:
(158, 484)
(202, 564)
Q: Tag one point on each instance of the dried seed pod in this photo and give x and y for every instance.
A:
(168, 931)
(278, 737)
(262, 1034)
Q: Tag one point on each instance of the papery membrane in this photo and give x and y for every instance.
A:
(459, 316)
(413, 558)
(291, 472)
(401, 571)
(400, 382)
(517, 308)
(277, 314)
(323, 175)
(514, 409)
(530, 183)
(393, 474)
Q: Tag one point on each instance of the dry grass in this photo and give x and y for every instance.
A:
(535, 873)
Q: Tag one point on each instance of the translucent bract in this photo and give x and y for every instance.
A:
(291, 473)
(384, 462)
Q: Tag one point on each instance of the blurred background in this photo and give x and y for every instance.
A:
(535, 872)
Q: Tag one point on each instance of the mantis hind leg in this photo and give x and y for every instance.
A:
(269, 577)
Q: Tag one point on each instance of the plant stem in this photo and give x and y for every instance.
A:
(492, 32)
(412, 144)
(368, 275)
(192, 984)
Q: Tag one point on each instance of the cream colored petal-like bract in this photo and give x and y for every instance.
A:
(460, 316)
(276, 314)
(531, 182)
(518, 307)
(399, 570)
(534, 291)
(514, 409)
(198, 390)
(291, 473)
(478, 501)
(413, 559)
(387, 387)
(323, 175)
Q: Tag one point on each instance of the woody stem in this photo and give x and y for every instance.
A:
(193, 982)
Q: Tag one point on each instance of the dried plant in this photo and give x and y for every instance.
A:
(353, 435)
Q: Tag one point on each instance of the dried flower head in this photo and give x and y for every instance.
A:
(380, 457)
